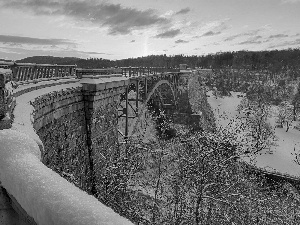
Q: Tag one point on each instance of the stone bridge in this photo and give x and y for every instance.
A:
(57, 119)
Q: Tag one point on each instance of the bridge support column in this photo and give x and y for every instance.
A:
(126, 115)
(185, 113)
(101, 99)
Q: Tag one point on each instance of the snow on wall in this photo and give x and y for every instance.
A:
(44, 195)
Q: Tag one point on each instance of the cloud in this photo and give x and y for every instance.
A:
(286, 44)
(18, 53)
(19, 40)
(249, 33)
(213, 28)
(169, 33)
(278, 36)
(210, 33)
(183, 11)
(118, 19)
(252, 40)
(25, 46)
(90, 53)
(180, 41)
(249, 42)
(289, 1)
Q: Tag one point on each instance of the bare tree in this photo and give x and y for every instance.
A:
(285, 114)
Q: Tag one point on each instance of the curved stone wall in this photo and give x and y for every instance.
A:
(50, 127)
(59, 120)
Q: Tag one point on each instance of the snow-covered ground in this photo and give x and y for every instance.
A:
(280, 159)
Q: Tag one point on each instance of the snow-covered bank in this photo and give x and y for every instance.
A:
(281, 159)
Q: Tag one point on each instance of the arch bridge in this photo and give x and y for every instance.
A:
(60, 119)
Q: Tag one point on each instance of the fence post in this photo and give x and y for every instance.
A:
(2, 97)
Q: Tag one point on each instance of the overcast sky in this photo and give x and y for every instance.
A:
(116, 29)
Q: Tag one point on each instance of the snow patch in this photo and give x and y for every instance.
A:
(281, 159)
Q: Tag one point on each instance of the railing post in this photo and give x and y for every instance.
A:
(62, 72)
(52, 71)
(25, 73)
(129, 71)
(126, 119)
(17, 73)
(48, 71)
(21, 73)
(137, 98)
(146, 88)
(65, 71)
(30, 75)
(42, 72)
(2, 97)
(34, 74)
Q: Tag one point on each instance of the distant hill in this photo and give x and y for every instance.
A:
(50, 60)
(5, 60)
(81, 63)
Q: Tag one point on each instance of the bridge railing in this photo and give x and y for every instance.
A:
(31, 72)
(139, 71)
(105, 71)
(28, 72)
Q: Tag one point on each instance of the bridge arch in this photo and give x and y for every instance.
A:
(143, 112)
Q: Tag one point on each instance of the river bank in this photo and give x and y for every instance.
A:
(279, 158)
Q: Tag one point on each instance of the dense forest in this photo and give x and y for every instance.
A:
(272, 60)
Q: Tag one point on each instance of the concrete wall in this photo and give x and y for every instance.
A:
(72, 123)
(59, 120)
(101, 100)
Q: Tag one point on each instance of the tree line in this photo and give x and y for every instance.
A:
(274, 60)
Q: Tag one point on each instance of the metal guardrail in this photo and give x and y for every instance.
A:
(107, 71)
(139, 71)
(24, 72)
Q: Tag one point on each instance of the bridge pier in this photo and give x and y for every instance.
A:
(101, 97)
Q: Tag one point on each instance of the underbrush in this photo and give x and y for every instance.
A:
(192, 179)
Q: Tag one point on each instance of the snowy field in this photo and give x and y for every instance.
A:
(279, 158)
